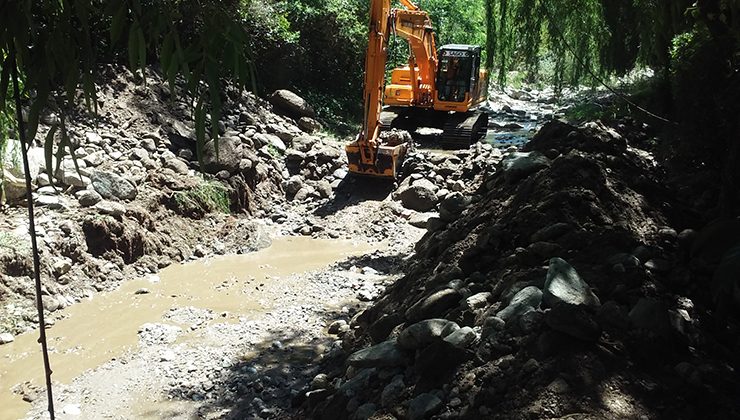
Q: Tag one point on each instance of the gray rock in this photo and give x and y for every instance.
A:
(435, 224)
(418, 197)
(48, 190)
(420, 220)
(365, 411)
(511, 313)
(94, 159)
(228, 158)
(337, 326)
(564, 285)
(392, 392)
(305, 192)
(111, 208)
(50, 201)
(478, 300)
(177, 165)
(294, 156)
(462, 338)
(320, 381)
(88, 198)
(424, 406)
(6, 338)
(423, 333)
(434, 305)
(385, 354)
(61, 266)
(524, 301)
(75, 179)
(339, 173)
(451, 207)
(272, 140)
(530, 295)
(423, 182)
(305, 143)
(50, 304)
(292, 104)
(110, 185)
(357, 383)
(574, 320)
(324, 189)
(292, 185)
(530, 321)
(518, 165)
(309, 125)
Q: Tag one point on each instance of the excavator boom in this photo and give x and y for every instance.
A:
(370, 154)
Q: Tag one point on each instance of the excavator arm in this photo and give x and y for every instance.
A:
(371, 153)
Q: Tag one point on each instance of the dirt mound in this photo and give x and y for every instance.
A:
(563, 277)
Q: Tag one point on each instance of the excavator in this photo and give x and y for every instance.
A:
(435, 89)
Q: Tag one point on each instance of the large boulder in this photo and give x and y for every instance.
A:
(291, 104)
(426, 332)
(418, 197)
(113, 186)
(13, 174)
(451, 207)
(385, 354)
(228, 157)
(519, 165)
(564, 285)
(424, 406)
(434, 305)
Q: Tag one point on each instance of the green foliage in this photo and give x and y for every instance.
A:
(59, 43)
(524, 34)
(274, 151)
(209, 196)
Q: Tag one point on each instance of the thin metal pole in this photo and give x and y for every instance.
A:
(32, 229)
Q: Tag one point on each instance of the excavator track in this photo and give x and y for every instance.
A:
(464, 129)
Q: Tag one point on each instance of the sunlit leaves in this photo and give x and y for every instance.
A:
(59, 41)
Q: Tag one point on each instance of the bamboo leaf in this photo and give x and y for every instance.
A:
(4, 81)
(117, 24)
(49, 152)
(142, 53)
(200, 131)
(132, 47)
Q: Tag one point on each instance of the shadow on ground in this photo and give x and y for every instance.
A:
(354, 190)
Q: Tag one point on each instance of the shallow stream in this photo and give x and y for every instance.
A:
(106, 326)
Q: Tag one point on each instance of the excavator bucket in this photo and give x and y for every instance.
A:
(384, 160)
(386, 164)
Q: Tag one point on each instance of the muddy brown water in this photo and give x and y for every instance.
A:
(102, 328)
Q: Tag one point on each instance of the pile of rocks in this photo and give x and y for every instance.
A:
(546, 285)
(123, 199)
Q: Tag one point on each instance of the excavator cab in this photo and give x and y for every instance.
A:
(458, 72)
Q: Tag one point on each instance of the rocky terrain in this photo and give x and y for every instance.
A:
(140, 199)
(565, 281)
(552, 271)
(136, 199)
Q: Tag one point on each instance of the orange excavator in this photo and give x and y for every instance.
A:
(438, 90)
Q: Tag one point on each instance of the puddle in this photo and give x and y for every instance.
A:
(104, 327)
